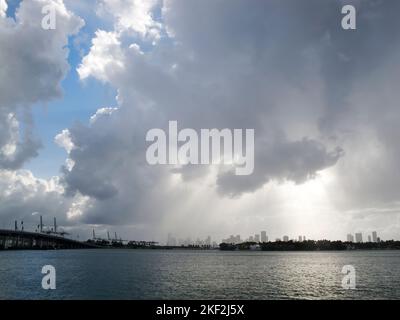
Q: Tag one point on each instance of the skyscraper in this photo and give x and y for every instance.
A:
(369, 238)
(300, 238)
(237, 239)
(257, 238)
(232, 239)
(285, 238)
(359, 237)
(374, 236)
(264, 236)
(171, 240)
(350, 238)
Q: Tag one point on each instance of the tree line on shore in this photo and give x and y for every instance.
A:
(312, 245)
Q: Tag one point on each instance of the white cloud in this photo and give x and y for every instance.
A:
(221, 87)
(280, 71)
(35, 63)
(21, 193)
(104, 58)
(63, 139)
(14, 149)
(277, 68)
(102, 112)
(79, 206)
(3, 8)
(134, 15)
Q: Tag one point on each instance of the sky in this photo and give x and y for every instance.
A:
(76, 103)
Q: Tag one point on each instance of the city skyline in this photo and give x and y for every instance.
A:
(357, 237)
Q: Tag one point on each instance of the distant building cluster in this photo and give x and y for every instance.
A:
(287, 239)
(260, 241)
(358, 237)
(174, 242)
(234, 239)
(260, 238)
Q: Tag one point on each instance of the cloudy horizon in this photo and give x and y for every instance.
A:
(76, 103)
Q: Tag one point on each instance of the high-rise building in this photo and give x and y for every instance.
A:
(369, 238)
(257, 238)
(251, 239)
(285, 238)
(188, 241)
(264, 237)
(300, 238)
(171, 241)
(359, 237)
(374, 236)
(350, 238)
(304, 238)
(233, 239)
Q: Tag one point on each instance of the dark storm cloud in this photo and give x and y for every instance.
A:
(285, 68)
(319, 97)
(296, 161)
(253, 70)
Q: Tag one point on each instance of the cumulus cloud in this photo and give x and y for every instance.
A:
(104, 57)
(224, 86)
(287, 70)
(34, 53)
(3, 8)
(21, 194)
(34, 62)
(15, 150)
(322, 102)
(296, 161)
(34, 65)
(24, 197)
(63, 139)
(133, 15)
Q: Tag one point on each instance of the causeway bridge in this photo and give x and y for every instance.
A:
(24, 240)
